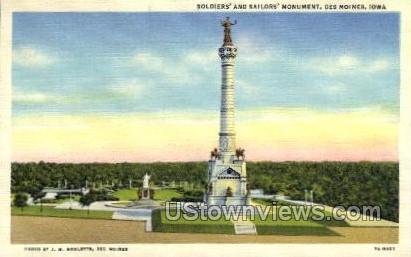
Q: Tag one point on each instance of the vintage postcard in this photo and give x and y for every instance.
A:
(164, 128)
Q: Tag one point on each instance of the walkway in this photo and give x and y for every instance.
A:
(130, 214)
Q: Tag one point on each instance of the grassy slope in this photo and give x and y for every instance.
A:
(162, 224)
(274, 226)
(264, 227)
(126, 194)
(329, 223)
(62, 213)
(166, 194)
(291, 227)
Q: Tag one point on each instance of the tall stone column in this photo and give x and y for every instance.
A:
(224, 171)
(227, 53)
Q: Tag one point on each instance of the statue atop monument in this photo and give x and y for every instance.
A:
(227, 31)
(146, 179)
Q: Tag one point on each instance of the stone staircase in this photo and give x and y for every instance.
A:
(244, 227)
(135, 215)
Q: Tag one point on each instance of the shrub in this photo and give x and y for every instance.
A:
(20, 200)
(189, 196)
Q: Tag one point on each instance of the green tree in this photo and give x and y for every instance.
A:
(87, 200)
(333, 183)
(39, 197)
(20, 200)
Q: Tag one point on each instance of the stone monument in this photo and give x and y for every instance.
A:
(145, 190)
(144, 196)
(227, 177)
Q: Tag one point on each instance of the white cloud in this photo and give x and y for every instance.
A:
(251, 53)
(130, 89)
(255, 56)
(31, 57)
(378, 65)
(334, 88)
(120, 90)
(346, 64)
(205, 58)
(148, 61)
(173, 71)
(31, 97)
(168, 65)
(247, 88)
(185, 68)
(331, 66)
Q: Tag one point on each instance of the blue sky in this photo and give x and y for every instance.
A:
(86, 63)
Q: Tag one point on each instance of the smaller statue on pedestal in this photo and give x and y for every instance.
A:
(146, 180)
(145, 191)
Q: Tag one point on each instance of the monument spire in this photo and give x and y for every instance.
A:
(227, 53)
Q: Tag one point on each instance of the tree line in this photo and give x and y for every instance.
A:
(333, 183)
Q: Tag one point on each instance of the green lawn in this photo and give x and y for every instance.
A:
(262, 201)
(330, 223)
(222, 226)
(272, 225)
(126, 194)
(269, 226)
(166, 194)
(62, 213)
(290, 227)
(162, 224)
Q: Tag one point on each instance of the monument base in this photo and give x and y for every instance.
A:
(145, 194)
(227, 181)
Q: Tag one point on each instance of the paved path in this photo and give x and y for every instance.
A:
(136, 215)
(244, 227)
(119, 213)
(96, 206)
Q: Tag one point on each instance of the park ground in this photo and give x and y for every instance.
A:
(41, 230)
(35, 224)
